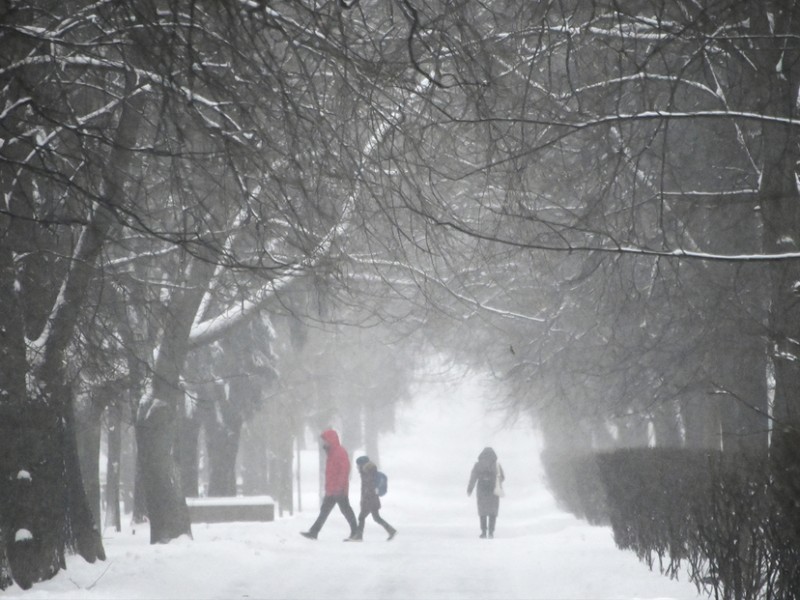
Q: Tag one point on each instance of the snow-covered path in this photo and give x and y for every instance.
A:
(538, 552)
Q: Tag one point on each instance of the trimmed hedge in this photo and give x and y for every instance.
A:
(732, 520)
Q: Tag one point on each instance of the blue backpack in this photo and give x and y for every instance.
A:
(381, 483)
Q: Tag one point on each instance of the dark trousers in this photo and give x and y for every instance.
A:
(328, 502)
(362, 518)
(488, 520)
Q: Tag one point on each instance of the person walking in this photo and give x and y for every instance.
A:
(487, 475)
(370, 501)
(337, 481)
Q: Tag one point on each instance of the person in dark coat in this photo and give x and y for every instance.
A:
(370, 501)
(487, 475)
(337, 482)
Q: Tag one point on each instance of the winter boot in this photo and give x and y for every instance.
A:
(483, 527)
(392, 532)
(309, 534)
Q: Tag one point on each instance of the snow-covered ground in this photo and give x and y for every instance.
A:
(538, 551)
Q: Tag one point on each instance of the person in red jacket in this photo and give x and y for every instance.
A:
(337, 483)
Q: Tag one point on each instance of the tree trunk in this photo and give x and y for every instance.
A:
(18, 439)
(372, 428)
(33, 493)
(352, 430)
(49, 512)
(159, 475)
(744, 398)
(45, 511)
(284, 484)
(254, 456)
(88, 416)
(780, 209)
(156, 417)
(223, 445)
(221, 470)
(139, 514)
(87, 540)
(281, 457)
(189, 440)
(113, 467)
(127, 469)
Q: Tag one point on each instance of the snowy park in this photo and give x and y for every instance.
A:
(559, 236)
(539, 552)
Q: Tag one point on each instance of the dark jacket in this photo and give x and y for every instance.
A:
(370, 501)
(483, 478)
(337, 466)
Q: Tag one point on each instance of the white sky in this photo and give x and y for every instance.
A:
(539, 552)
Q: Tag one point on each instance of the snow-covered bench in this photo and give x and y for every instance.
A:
(234, 508)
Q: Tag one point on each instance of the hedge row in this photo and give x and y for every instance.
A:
(731, 520)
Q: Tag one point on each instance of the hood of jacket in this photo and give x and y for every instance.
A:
(487, 455)
(331, 438)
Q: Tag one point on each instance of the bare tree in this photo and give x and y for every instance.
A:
(629, 150)
(204, 147)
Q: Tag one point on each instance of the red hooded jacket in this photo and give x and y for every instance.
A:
(337, 467)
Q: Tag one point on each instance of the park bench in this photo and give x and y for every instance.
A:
(229, 509)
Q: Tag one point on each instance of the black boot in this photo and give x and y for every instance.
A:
(492, 522)
(483, 526)
(356, 535)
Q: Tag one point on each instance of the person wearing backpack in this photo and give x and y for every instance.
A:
(487, 476)
(370, 499)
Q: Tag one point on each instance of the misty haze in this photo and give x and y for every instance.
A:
(400, 299)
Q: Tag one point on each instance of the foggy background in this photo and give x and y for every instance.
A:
(228, 225)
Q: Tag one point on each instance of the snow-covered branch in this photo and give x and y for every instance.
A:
(645, 115)
(473, 302)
